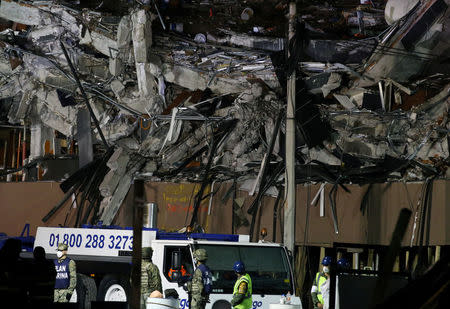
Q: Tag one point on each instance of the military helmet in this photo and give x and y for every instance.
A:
(200, 255)
(62, 247)
(147, 252)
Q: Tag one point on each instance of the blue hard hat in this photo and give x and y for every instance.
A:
(239, 267)
(343, 263)
(327, 260)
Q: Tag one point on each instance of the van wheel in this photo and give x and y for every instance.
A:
(85, 292)
(113, 288)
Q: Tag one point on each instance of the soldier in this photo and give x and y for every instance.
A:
(200, 286)
(66, 275)
(150, 278)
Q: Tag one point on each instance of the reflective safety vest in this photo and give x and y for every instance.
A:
(62, 274)
(247, 303)
(318, 281)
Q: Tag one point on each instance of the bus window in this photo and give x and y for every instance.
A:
(267, 266)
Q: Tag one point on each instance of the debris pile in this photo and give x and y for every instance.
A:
(181, 90)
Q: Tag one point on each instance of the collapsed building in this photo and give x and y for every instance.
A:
(195, 92)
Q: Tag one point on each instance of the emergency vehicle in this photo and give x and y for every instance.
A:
(103, 259)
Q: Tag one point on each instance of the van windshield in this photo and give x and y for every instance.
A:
(268, 268)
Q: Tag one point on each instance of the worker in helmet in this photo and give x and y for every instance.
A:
(319, 280)
(150, 278)
(200, 286)
(66, 275)
(242, 292)
(343, 264)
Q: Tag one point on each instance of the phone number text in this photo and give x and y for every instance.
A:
(120, 242)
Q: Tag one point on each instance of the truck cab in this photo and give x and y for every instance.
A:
(267, 264)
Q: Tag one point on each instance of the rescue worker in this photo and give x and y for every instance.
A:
(66, 275)
(150, 278)
(319, 280)
(200, 286)
(343, 264)
(242, 292)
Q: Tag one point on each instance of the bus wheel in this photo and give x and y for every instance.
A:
(112, 288)
(221, 304)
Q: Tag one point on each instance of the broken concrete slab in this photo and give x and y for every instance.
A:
(396, 9)
(117, 164)
(141, 35)
(146, 80)
(22, 13)
(113, 162)
(112, 205)
(102, 43)
(253, 42)
(20, 108)
(334, 82)
(409, 47)
(345, 101)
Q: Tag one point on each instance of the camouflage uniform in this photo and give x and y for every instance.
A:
(61, 294)
(196, 287)
(150, 278)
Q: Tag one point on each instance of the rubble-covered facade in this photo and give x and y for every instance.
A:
(175, 98)
(191, 96)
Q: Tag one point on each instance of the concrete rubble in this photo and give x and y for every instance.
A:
(160, 95)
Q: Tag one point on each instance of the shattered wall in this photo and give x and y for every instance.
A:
(372, 224)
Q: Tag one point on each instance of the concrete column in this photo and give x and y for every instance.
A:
(142, 41)
(437, 255)
(85, 149)
(39, 135)
(370, 261)
(356, 260)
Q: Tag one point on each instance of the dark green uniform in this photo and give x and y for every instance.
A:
(195, 287)
(198, 293)
(150, 277)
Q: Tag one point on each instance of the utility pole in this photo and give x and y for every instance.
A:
(289, 207)
(136, 258)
